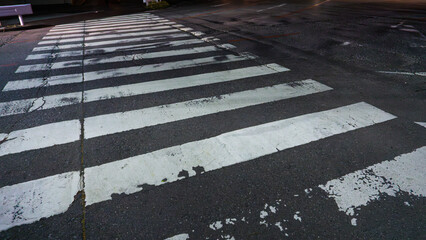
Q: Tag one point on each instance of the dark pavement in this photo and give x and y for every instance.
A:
(240, 120)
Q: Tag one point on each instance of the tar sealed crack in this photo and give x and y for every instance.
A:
(82, 163)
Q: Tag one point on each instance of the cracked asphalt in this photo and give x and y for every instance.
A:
(226, 176)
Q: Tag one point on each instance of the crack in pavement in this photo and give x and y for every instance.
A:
(82, 163)
(40, 94)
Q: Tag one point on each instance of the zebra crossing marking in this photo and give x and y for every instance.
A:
(128, 175)
(109, 31)
(60, 100)
(101, 23)
(117, 59)
(405, 173)
(110, 42)
(118, 35)
(64, 30)
(120, 72)
(108, 27)
(94, 51)
(49, 135)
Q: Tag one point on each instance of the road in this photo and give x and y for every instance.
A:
(217, 120)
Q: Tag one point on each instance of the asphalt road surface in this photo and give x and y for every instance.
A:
(217, 120)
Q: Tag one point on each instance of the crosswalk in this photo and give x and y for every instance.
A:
(109, 44)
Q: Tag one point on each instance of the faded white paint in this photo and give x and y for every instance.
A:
(182, 236)
(297, 216)
(109, 30)
(76, 29)
(96, 51)
(406, 173)
(118, 35)
(121, 72)
(269, 8)
(114, 42)
(91, 35)
(28, 202)
(60, 100)
(120, 25)
(117, 59)
(69, 131)
(423, 74)
(216, 225)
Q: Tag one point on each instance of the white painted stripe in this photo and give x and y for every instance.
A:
(423, 124)
(117, 59)
(121, 23)
(102, 20)
(405, 173)
(183, 236)
(132, 34)
(94, 21)
(120, 72)
(69, 131)
(112, 26)
(106, 32)
(35, 104)
(41, 82)
(60, 100)
(110, 42)
(269, 8)
(423, 74)
(104, 25)
(94, 51)
(221, 5)
(37, 199)
(124, 18)
(129, 175)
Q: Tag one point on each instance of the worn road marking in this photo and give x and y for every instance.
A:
(68, 131)
(107, 28)
(120, 72)
(117, 59)
(110, 42)
(423, 124)
(423, 74)
(104, 23)
(269, 8)
(221, 5)
(304, 9)
(50, 196)
(182, 236)
(405, 173)
(96, 51)
(264, 37)
(56, 30)
(132, 34)
(111, 21)
(59, 100)
(109, 31)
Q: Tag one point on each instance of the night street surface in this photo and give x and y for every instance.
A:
(217, 120)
